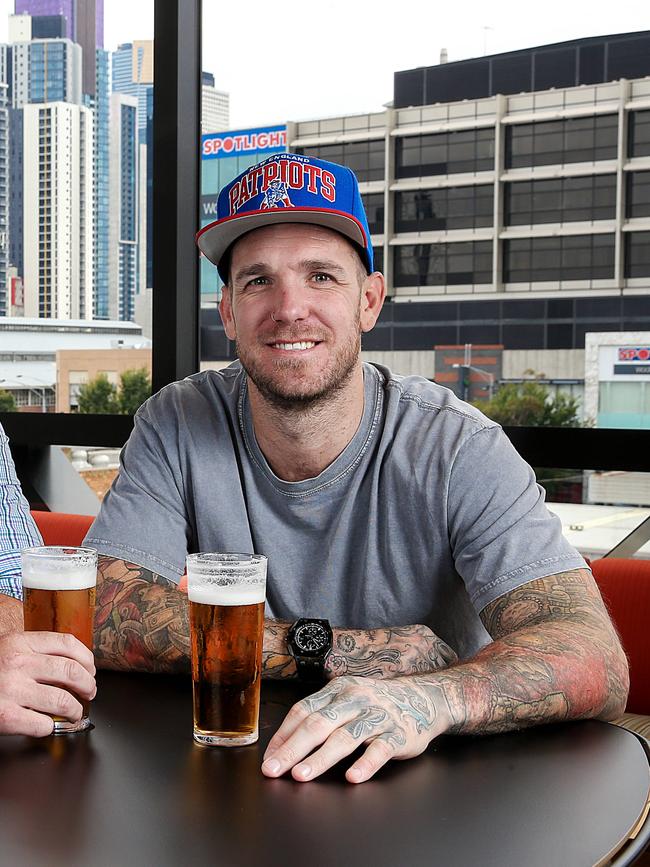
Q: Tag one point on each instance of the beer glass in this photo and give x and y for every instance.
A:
(59, 596)
(226, 594)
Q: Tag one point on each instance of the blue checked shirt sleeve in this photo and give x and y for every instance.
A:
(17, 527)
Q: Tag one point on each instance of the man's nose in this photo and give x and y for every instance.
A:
(290, 301)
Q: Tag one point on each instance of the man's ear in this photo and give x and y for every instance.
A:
(373, 294)
(225, 311)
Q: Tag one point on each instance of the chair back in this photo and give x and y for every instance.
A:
(625, 587)
(60, 528)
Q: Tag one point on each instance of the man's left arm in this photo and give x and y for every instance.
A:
(555, 656)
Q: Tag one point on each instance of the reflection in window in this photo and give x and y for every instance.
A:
(592, 197)
(365, 158)
(572, 257)
(637, 254)
(637, 202)
(374, 207)
(554, 142)
(443, 264)
(639, 134)
(444, 209)
(469, 150)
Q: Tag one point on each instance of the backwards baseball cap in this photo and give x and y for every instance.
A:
(287, 188)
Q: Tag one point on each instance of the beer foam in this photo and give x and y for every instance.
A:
(70, 579)
(214, 594)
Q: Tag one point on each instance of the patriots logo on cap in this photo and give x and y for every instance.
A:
(276, 196)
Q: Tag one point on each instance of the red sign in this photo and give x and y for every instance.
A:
(634, 353)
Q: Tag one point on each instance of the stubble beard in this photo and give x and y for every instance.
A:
(281, 392)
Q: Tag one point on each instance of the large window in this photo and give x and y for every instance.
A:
(444, 209)
(554, 142)
(463, 263)
(639, 134)
(638, 194)
(365, 158)
(469, 150)
(637, 254)
(374, 205)
(572, 257)
(592, 197)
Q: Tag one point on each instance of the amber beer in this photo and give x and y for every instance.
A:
(59, 596)
(226, 593)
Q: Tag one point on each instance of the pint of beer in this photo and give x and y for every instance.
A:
(59, 596)
(226, 594)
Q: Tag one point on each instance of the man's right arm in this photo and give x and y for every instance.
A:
(142, 624)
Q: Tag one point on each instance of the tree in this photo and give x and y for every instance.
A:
(135, 388)
(530, 404)
(98, 395)
(7, 402)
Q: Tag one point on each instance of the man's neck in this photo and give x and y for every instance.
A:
(299, 444)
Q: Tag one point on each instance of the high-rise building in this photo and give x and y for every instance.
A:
(124, 263)
(132, 69)
(100, 104)
(58, 210)
(215, 106)
(5, 297)
(84, 24)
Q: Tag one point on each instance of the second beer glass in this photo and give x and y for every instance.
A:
(226, 594)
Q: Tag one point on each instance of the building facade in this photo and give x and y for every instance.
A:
(509, 203)
(215, 106)
(58, 208)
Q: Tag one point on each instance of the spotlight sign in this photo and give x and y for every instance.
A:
(218, 145)
(632, 361)
(634, 353)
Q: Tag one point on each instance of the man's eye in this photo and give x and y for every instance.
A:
(258, 281)
(321, 277)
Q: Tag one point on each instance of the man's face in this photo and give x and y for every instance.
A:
(296, 304)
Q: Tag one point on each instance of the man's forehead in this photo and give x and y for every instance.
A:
(290, 239)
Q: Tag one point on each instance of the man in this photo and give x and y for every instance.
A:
(39, 671)
(386, 507)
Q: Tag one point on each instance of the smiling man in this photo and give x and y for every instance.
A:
(416, 579)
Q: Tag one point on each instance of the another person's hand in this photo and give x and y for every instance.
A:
(396, 719)
(390, 651)
(40, 674)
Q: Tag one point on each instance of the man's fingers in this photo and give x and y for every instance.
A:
(16, 720)
(299, 712)
(60, 644)
(379, 751)
(60, 671)
(52, 700)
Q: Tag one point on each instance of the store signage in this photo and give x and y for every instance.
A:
(228, 144)
(632, 369)
(634, 353)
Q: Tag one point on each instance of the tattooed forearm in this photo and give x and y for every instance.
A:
(388, 652)
(141, 620)
(555, 656)
(277, 662)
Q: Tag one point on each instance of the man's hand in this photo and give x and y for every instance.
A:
(390, 651)
(40, 674)
(396, 719)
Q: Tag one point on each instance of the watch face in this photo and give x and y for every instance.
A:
(311, 638)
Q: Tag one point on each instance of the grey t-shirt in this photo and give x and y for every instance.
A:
(427, 516)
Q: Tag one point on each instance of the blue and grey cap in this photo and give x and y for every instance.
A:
(287, 188)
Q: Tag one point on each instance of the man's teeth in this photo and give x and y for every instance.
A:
(304, 344)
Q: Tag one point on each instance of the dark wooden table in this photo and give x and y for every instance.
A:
(137, 790)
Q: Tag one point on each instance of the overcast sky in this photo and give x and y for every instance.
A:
(284, 62)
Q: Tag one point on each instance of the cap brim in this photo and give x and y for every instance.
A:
(214, 239)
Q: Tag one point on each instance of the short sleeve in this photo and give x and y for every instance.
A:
(143, 518)
(501, 533)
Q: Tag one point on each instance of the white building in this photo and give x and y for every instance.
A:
(215, 106)
(58, 210)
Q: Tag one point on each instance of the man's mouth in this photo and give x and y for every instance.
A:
(294, 346)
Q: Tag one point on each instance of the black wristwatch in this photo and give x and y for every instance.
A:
(309, 642)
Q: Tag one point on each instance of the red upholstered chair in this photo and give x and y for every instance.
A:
(625, 586)
(60, 528)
